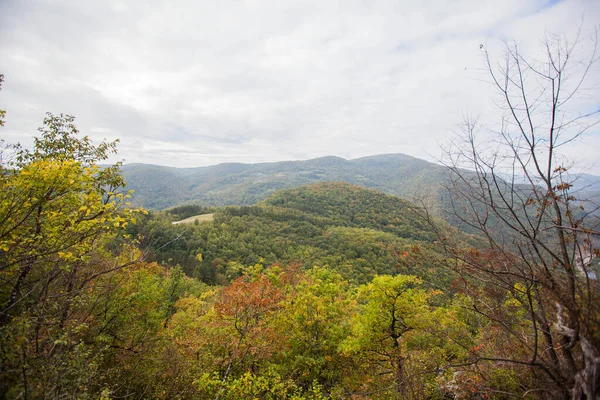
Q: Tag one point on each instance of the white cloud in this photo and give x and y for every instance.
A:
(189, 83)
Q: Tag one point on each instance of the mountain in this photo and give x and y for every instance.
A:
(350, 205)
(158, 187)
(356, 231)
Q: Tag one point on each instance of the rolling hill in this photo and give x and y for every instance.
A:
(356, 231)
(158, 187)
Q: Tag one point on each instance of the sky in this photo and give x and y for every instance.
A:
(198, 82)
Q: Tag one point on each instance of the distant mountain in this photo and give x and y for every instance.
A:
(586, 186)
(158, 187)
(413, 179)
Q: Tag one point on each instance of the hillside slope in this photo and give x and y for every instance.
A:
(351, 205)
(358, 232)
(159, 187)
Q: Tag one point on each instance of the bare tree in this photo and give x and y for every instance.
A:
(513, 186)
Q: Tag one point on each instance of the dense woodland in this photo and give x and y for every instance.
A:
(327, 290)
(357, 232)
(160, 187)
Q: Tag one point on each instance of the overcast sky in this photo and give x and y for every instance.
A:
(199, 82)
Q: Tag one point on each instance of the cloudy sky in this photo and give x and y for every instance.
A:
(199, 82)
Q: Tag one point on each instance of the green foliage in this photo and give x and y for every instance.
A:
(310, 304)
(245, 184)
(250, 386)
(59, 212)
(314, 320)
(344, 232)
(349, 205)
(401, 341)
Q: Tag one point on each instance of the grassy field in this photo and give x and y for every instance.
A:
(200, 218)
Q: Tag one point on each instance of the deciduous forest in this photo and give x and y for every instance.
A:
(326, 290)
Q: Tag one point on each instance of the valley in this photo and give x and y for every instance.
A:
(211, 269)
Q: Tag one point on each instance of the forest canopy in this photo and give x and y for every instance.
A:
(327, 290)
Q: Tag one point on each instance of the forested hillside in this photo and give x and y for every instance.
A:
(85, 313)
(357, 232)
(416, 180)
(312, 286)
(328, 290)
(159, 187)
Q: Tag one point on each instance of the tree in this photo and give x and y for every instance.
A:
(242, 313)
(513, 186)
(60, 213)
(314, 321)
(56, 203)
(399, 338)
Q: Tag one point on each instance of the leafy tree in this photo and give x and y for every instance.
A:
(143, 355)
(59, 211)
(395, 337)
(242, 313)
(314, 321)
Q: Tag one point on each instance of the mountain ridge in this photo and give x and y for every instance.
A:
(159, 187)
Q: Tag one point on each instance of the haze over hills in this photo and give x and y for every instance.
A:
(159, 187)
